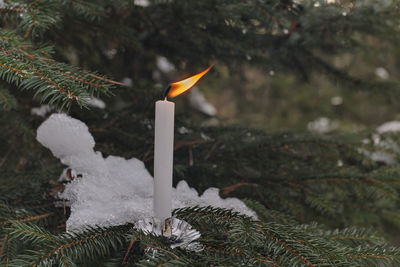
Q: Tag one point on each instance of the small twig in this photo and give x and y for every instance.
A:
(34, 4)
(29, 219)
(3, 160)
(125, 260)
(147, 155)
(27, 33)
(8, 252)
(11, 68)
(161, 249)
(3, 244)
(106, 80)
(228, 189)
(191, 161)
(214, 146)
(181, 144)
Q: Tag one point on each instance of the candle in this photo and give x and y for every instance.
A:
(163, 158)
(164, 146)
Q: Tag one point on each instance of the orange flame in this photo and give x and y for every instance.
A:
(179, 87)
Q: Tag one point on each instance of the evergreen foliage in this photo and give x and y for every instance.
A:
(228, 238)
(321, 201)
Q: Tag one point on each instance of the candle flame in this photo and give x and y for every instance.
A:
(179, 87)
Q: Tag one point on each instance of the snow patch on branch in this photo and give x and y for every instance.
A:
(112, 190)
(390, 126)
(383, 140)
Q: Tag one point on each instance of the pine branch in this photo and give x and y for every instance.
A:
(35, 18)
(240, 241)
(354, 235)
(31, 233)
(57, 83)
(67, 249)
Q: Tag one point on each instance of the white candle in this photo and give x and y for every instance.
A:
(163, 158)
(164, 146)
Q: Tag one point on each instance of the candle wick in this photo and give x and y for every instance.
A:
(166, 92)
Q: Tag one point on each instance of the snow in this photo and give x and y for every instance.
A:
(390, 126)
(164, 64)
(95, 102)
(41, 111)
(200, 103)
(383, 142)
(336, 100)
(381, 156)
(184, 130)
(322, 125)
(112, 190)
(65, 137)
(382, 73)
(142, 3)
(128, 82)
(110, 53)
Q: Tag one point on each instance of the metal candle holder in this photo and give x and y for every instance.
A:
(178, 232)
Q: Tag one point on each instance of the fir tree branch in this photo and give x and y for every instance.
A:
(28, 219)
(59, 83)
